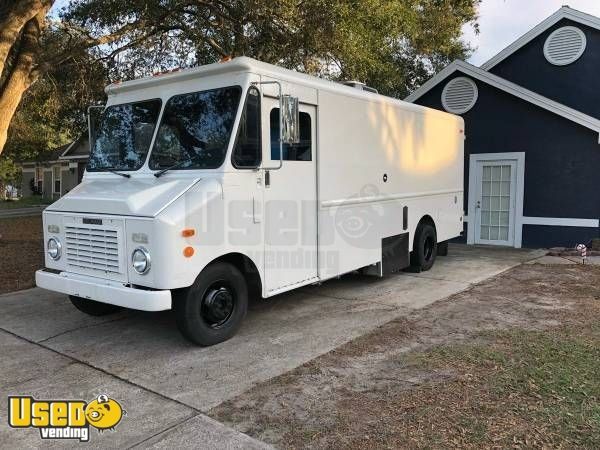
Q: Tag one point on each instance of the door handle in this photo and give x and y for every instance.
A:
(267, 178)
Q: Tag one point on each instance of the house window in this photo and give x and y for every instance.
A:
(39, 179)
(56, 176)
(302, 151)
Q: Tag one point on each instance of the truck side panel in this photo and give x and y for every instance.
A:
(374, 158)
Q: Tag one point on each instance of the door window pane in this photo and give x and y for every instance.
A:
(495, 203)
(486, 203)
(485, 233)
(496, 173)
(301, 151)
(487, 173)
(494, 233)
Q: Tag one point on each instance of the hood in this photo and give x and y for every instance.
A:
(137, 196)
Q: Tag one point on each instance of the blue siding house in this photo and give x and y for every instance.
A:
(532, 149)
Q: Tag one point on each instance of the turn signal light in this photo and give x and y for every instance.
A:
(188, 252)
(188, 232)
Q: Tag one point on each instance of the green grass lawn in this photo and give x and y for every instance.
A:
(545, 385)
(24, 202)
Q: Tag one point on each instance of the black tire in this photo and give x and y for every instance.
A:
(92, 307)
(213, 308)
(424, 248)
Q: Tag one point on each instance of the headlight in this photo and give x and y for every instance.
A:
(54, 248)
(140, 260)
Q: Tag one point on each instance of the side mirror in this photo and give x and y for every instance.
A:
(93, 118)
(290, 120)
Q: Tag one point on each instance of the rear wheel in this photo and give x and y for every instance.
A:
(213, 308)
(92, 307)
(424, 248)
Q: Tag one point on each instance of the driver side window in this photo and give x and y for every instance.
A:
(247, 153)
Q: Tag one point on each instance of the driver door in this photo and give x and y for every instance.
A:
(290, 196)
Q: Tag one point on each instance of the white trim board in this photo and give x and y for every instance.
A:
(67, 149)
(511, 88)
(556, 221)
(562, 222)
(563, 13)
(519, 157)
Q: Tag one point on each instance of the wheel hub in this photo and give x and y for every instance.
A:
(217, 306)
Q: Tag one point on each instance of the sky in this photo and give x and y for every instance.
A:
(501, 22)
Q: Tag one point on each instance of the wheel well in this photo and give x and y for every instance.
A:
(248, 269)
(426, 219)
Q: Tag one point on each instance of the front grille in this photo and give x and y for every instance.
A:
(92, 248)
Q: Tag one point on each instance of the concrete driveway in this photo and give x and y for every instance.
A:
(52, 351)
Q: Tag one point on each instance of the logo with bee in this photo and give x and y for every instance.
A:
(65, 419)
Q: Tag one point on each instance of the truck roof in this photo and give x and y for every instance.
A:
(246, 64)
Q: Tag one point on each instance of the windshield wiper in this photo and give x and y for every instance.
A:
(174, 166)
(115, 171)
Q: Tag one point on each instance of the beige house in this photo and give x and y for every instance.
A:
(59, 172)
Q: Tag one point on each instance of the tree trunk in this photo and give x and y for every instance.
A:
(13, 17)
(24, 72)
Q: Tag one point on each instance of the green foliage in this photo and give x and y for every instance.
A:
(389, 44)
(10, 173)
(8, 170)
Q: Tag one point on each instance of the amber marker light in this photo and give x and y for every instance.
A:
(188, 252)
(188, 232)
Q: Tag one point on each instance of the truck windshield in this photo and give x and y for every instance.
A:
(195, 130)
(124, 136)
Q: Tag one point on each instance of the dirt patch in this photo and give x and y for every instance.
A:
(483, 368)
(22, 250)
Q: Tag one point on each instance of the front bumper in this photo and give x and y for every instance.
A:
(104, 291)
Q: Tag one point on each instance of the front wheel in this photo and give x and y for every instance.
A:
(213, 308)
(424, 248)
(93, 308)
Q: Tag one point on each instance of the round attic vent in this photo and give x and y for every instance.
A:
(565, 46)
(459, 95)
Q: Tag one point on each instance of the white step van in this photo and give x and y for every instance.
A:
(241, 179)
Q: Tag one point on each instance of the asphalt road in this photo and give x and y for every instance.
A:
(50, 350)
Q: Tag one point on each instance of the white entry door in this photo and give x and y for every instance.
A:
(495, 202)
(290, 196)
